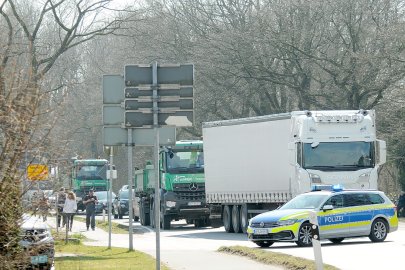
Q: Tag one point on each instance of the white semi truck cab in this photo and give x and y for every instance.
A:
(330, 147)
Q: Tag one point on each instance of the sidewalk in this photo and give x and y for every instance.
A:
(184, 256)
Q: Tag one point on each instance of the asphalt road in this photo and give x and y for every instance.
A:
(184, 247)
(356, 253)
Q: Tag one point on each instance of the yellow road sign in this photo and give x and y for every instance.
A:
(37, 172)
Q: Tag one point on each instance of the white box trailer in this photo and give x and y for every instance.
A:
(256, 164)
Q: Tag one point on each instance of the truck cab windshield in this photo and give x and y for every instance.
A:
(185, 161)
(93, 172)
(338, 156)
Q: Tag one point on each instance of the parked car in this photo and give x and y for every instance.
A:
(37, 241)
(123, 204)
(340, 213)
(124, 187)
(102, 201)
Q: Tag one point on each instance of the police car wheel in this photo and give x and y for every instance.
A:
(379, 230)
(264, 243)
(336, 240)
(305, 235)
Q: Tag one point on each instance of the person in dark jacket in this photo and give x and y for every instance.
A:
(401, 205)
(90, 202)
(61, 198)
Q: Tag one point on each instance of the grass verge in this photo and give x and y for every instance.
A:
(274, 258)
(78, 256)
(115, 227)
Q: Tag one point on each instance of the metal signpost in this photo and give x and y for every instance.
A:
(110, 195)
(155, 110)
(144, 108)
(116, 134)
(158, 95)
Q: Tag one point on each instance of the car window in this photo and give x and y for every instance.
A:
(336, 201)
(305, 201)
(356, 199)
(124, 194)
(375, 198)
(102, 195)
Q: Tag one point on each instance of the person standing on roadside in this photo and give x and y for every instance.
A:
(69, 209)
(43, 207)
(401, 205)
(90, 202)
(61, 198)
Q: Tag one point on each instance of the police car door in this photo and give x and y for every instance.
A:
(334, 223)
(360, 213)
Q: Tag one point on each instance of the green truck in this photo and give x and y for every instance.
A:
(181, 187)
(88, 174)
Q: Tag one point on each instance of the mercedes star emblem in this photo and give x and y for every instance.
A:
(193, 187)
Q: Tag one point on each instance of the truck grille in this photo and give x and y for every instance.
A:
(189, 191)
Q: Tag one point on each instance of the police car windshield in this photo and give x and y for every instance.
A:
(305, 201)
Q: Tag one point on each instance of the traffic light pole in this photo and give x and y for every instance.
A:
(156, 155)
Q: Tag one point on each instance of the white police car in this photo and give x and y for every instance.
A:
(341, 214)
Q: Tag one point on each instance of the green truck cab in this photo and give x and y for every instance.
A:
(181, 187)
(88, 174)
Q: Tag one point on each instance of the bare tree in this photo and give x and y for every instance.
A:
(261, 57)
(38, 34)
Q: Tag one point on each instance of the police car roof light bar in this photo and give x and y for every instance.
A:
(335, 188)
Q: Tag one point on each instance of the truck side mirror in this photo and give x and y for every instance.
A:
(381, 152)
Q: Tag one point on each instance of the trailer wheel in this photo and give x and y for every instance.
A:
(244, 220)
(152, 215)
(189, 221)
(215, 223)
(164, 220)
(227, 218)
(236, 219)
(198, 223)
(144, 214)
(145, 219)
(135, 217)
(141, 215)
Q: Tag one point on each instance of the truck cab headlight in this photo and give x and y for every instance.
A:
(170, 203)
(315, 179)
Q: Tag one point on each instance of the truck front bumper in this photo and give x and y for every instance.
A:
(184, 209)
(187, 212)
